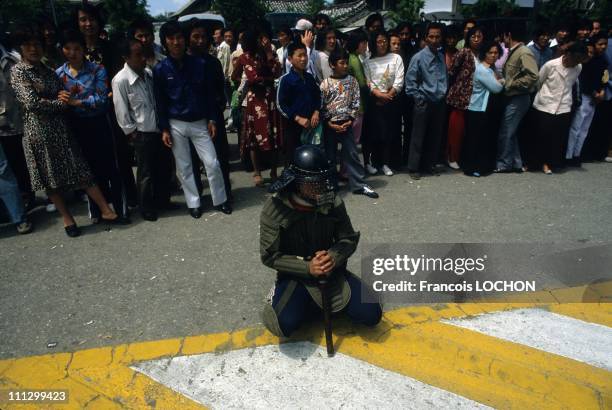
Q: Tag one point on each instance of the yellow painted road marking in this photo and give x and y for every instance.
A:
(410, 341)
(486, 369)
(589, 312)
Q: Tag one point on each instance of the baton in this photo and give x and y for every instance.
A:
(327, 317)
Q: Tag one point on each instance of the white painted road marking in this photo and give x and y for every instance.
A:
(565, 336)
(294, 375)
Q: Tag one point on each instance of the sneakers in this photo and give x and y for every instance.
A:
(371, 170)
(415, 175)
(608, 159)
(24, 227)
(503, 171)
(50, 208)
(453, 165)
(367, 191)
(387, 171)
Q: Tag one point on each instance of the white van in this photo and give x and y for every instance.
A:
(214, 21)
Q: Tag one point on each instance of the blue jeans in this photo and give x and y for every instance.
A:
(508, 152)
(9, 191)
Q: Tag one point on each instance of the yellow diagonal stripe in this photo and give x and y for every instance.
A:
(486, 369)
(410, 341)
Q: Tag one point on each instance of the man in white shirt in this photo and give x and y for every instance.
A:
(217, 37)
(224, 52)
(284, 36)
(551, 116)
(134, 102)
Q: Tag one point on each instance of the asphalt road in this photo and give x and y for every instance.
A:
(179, 276)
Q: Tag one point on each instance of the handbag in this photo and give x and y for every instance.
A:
(312, 136)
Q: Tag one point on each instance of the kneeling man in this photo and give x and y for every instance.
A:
(306, 235)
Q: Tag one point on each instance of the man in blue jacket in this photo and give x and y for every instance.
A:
(199, 46)
(298, 98)
(185, 100)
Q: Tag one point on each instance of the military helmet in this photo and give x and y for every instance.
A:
(310, 176)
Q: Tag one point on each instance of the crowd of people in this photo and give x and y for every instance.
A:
(77, 111)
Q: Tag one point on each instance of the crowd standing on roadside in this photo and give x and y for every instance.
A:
(77, 112)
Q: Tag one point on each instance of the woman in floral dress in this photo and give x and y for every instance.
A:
(54, 158)
(260, 125)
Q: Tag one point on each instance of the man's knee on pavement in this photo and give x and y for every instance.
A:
(279, 325)
(288, 324)
(369, 314)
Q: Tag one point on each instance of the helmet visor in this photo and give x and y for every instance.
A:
(318, 191)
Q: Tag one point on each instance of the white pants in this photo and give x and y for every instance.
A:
(197, 132)
(580, 127)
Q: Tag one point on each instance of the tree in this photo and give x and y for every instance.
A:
(602, 9)
(18, 11)
(552, 13)
(407, 10)
(315, 6)
(120, 13)
(490, 8)
(241, 13)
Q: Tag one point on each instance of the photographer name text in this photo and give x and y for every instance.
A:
(477, 286)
